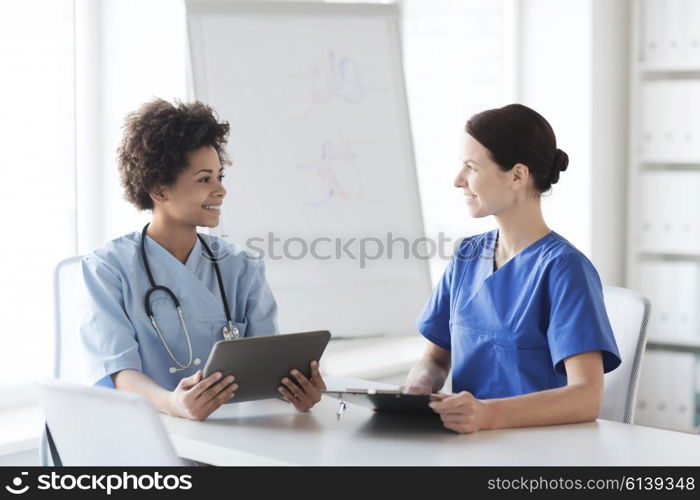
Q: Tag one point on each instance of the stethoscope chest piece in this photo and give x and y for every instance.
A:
(231, 332)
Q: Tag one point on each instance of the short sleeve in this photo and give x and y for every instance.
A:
(106, 332)
(434, 321)
(578, 321)
(261, 307)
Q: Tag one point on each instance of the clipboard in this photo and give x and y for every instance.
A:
(390, 401)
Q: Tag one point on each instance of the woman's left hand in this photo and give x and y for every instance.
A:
(302, 392)
(460, 412)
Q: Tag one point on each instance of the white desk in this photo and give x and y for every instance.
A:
(271, 432)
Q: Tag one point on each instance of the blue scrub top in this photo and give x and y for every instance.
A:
(116, 332)
(509, 331)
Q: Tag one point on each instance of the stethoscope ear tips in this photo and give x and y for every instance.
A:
(172, 369)
(197, 361)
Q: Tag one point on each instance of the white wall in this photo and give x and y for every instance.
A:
(135, 50)
(554, 73)
(572, 68)
(453, 58)
(37, 191)
(610, 133)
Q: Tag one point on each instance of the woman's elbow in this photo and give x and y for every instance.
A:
(593, 401)
(592, 413)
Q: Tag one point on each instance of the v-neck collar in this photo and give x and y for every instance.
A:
(192, 258)
(532, 246)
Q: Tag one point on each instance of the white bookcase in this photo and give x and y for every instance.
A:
(663, 259)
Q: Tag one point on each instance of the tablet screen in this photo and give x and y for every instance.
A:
(260, 363)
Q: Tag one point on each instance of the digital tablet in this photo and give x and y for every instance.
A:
(260, 363)
(385, 400)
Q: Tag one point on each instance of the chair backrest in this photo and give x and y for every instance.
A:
(70, 303)
(628, 312)
(98, 426)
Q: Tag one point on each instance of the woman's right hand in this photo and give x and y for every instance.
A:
(196, 399)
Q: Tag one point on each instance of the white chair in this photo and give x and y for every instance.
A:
(98, 426)
(69, 304)
(628, 312)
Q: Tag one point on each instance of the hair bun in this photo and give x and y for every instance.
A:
(561, 160)
(560, 164)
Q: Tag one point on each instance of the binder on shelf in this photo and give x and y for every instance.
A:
(673, 288)
(674, 30)
(692, 31)
(651, 15)
(651, 401)
(686, 319)
(669, 205)
(651, 282)
(669, 123)
(682, 388)
(667, 391)
(686, 230)
(656, 210)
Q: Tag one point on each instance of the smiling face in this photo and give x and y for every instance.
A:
(198, 193)
(487, 188)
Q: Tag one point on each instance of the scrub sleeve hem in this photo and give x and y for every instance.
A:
(109, 369)
(434, 339)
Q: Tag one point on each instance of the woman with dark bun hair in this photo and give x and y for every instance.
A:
(159, 298)
(518, 315)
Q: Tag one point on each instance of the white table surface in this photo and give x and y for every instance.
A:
(272, 432)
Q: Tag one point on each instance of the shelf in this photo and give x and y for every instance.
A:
(666, 164)
(669, 252)
(663, 260)
(669, 67)
(678, 344)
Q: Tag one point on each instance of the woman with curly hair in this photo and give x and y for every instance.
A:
(171, 161)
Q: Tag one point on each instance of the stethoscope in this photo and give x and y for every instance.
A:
(230, 331)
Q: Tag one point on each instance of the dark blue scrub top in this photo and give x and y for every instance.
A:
(509, 331)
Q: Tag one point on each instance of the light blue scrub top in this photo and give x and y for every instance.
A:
(509, 331)
(116, 332)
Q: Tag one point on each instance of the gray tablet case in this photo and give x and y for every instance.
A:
(260, 363)
(386, 400)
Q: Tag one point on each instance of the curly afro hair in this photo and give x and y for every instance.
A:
(157, 138)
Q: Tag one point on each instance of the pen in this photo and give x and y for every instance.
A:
(341, 409)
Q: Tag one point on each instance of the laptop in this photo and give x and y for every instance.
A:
(99, 426)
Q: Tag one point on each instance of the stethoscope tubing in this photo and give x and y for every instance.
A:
(176, 302)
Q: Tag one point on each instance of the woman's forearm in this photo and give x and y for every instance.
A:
(570, 404)
(135, 381)
(427, 373)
